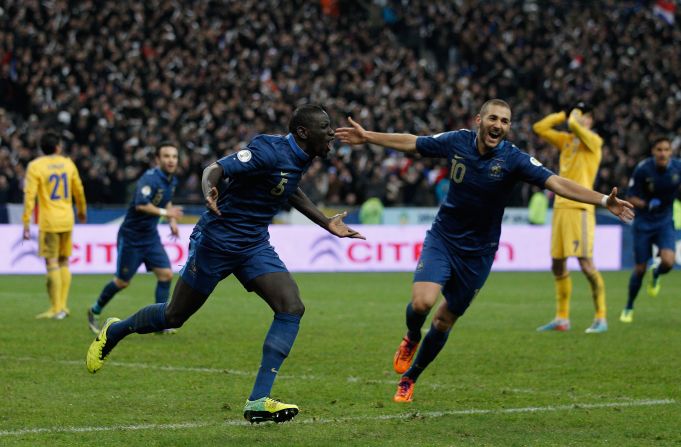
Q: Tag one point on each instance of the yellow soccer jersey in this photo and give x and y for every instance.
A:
(54, 180)
(580, 152)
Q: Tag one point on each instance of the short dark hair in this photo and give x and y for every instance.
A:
(157, 152)
(493, 102)
(659, 139)
(49, 142)
(585, 107)
(302, 116)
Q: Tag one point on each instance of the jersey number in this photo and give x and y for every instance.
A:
(279, 189)
(457, 172)
(59, 179)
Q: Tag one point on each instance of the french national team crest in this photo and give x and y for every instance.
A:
(496, 169)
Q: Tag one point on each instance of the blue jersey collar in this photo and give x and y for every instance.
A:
(167, 177)
(296, 149)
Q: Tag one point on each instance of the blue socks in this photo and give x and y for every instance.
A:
(148, 319)
(162, 291)
(432, 344)
(275, 349)
(415, 322)
(108, 292)
(634, 286)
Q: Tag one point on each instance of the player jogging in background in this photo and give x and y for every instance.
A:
(652, 189)
(54, 180)
(573, 227)
(243, 192)
(459, 248)
(138, 240)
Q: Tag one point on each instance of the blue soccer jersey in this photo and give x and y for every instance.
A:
(658, 187)
(260, 180)
(469, 220)
(154, 187)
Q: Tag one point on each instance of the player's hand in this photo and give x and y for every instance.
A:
(212, 201)
(620, 208)
(352, 135)
(654, 204)
(174, 212)
(26, 234)
(174, 230)
(337, 227)
(82, 217)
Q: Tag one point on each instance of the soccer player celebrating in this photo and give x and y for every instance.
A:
(54, 180)
(458, 250)
(574, 222)
(652, 189)
(243, 193)
(138, 240)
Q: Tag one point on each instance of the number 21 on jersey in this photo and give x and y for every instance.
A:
(60, 186)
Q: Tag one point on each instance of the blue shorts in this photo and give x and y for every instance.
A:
(206, 267)
(461, 276)
(664, 237)
(130, 257)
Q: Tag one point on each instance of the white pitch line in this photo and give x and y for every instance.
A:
(383, 417)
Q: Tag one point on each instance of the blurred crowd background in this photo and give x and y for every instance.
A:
(116, 78)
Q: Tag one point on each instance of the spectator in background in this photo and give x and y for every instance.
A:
(215, 74)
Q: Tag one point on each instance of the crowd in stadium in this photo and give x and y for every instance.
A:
(117, 78)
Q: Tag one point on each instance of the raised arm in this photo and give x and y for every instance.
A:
(356, 134)
(545, 129)
(333, 225)
(571, 190)
(590, 138)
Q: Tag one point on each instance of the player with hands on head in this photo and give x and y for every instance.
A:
(243, 192)
(574, 223)
(459, 248)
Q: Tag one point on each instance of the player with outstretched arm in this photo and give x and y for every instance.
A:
(459, 247)
(243, 192)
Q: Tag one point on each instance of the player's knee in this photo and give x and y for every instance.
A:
(640, 270)
(174, 319)
(63, 261)
(164, 275)
(420, 306)
(294, 307)
(120, 283)
(443, 323)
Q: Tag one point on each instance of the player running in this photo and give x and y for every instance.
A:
(652, 189)
(459, 248)
(243, 193)
(138, 240)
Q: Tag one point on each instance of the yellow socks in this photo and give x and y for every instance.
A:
(563, 294)
(54, 288)
(597, 292)
(65, 286)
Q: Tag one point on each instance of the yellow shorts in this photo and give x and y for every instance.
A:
(54, 245)
(572, 233)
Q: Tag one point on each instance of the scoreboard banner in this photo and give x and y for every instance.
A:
(308, 248)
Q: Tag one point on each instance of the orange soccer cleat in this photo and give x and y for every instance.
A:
(405, 390)
(404, 355)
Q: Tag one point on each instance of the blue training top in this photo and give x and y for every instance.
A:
(261, 178)
(657, 187)
(154, 187)
(469, 220)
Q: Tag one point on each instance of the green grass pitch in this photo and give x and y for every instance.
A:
(496, 382)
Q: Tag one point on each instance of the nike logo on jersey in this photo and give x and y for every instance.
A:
(458, 157)
(284, 174)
